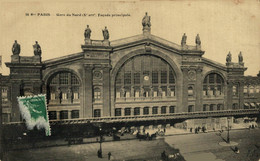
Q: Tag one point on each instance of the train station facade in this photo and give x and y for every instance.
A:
(143, 75)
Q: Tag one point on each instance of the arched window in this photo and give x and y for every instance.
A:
(257, 89)
(235, 90)
(63, 87)
(145, 76)
(251, 89)
(213, 85)
(190, 91)
(97, 94)
(245, 89)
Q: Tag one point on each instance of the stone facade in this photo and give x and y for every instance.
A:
(121, 78)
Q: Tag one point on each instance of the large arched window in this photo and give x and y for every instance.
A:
(145, 76)
(213, 85)
(63, 87)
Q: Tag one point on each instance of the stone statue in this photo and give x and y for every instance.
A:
(169, 91)
(160, 91)
(146, 22)
(87, 33)
(37, 49)
(123, 91)
(229, 57)
(197, 41)
(105, 33)
(240, 57)
(142, 91)
(183, 40)
(16, 48)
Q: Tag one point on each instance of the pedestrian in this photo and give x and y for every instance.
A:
(163, 155)
(191, 129)
(109, 155)
(164, 130)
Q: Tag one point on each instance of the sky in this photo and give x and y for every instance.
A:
(223, 26)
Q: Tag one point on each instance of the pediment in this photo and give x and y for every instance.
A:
(144, 39)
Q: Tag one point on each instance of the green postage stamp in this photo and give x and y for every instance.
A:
(34, 110)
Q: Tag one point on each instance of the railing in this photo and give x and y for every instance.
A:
(183, 115)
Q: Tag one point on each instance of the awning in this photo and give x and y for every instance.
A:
(246, 104)
(252, 104)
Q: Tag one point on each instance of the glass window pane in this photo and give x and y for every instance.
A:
(163, 76)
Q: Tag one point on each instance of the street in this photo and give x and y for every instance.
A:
(193, 147)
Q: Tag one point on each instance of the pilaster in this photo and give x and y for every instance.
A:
(88, 91)
(184, 107)
(199, 90)
(106, 91)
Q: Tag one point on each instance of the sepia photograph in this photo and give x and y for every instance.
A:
(140, 80)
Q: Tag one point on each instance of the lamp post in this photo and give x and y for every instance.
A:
(100, 141)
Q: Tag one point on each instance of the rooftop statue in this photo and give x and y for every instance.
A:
(105, 33)
(229, 57)
(87, 33)
(240, 57)
(197, 41)
(183, 40)
(37, 49)
(146, 22)
(16, 48)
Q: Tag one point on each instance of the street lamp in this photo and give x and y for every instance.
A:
(100, 141)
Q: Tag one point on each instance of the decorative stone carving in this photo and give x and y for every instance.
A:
(197, 40)
(37, 49)
(192, 75)
(87, 33)
(146, 22)
(97, 75)
(16, 48)
(183, 40)
(105, 33)
(148, 47)
(169, 91)
(240, 57)
(229, 58)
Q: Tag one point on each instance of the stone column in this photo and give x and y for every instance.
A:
(58, 115)
(199, 90)
(141, 110)
(88, 92)
(184, 107)
(69, 114)
(106, 91)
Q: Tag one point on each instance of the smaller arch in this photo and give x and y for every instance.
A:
(216, 72)
(49, 74)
